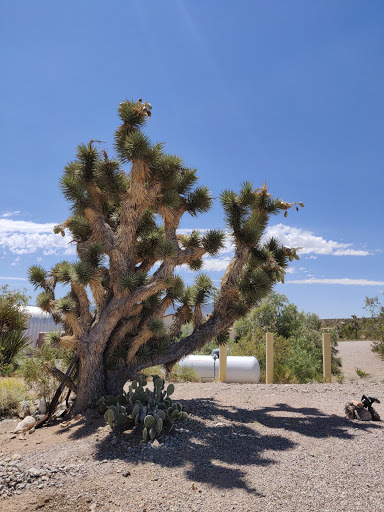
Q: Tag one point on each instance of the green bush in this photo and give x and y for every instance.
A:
(183, 374)
(297, 342)
(13, 323)
(375, 324)
(12, 391)
(177, 374)
(32, 368)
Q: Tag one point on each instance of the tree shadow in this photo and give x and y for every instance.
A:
(86, 426)
(307, 421)
(218, 442)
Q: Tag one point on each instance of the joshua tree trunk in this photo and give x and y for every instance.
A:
(91, 385)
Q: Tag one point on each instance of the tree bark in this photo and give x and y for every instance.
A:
(91, 385)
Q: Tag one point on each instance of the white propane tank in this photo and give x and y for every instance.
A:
(240, 369)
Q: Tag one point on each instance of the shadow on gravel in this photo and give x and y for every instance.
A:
(218, 441)
(207, 446)
(310, 422)
(84, 427)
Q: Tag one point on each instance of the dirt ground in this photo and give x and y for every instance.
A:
(246, 447)
(358, 354)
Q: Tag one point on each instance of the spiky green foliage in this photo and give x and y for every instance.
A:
(147, 223)
(88, 157)
(192, 240)
(82, 272)
(254, 285)
(132, 280)
(144, 353)
(199, 201)
(13, 322)
(196, 264)
(213, 241)
(53, 337)
(165, 249)
(62, 272)
(37, 275)
(137, 146)
(93, 255)
(65, 305)
(176, 290)
(73, 188)
(44, 301)
(110, 179)
(223, 338)
(79, 227)
(203, 289)
(186, 179)
(156, 326)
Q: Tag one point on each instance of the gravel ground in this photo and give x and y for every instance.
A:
(245, 448)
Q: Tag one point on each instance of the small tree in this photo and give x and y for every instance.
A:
(13, 323)
(125, 230)
(375, 327)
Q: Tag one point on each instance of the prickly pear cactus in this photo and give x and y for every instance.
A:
(153, 409)
(116, 415)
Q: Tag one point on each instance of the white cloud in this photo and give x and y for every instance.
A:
(350, 252)
(342, 281)
(24, 226)
(13, 278)
(215, 264)
(9, 214)
(310, 243)
(25, 237)
(15, 261)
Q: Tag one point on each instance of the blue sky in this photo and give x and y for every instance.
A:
(288, 92)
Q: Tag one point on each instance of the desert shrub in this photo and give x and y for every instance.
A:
(13, 323)
(152, 370)
(32, 368)
(297, 342)
(177, 374)
(254, 345)
(183, 374)
(12, 391)
(375, 324)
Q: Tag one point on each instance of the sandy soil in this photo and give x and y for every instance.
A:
(358, 354)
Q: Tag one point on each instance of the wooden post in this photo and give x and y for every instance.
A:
(223, 363)
(269, 359)
(327, 357)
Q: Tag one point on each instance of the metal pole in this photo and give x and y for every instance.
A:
(327, 373)
(269, 359)
(223, 363)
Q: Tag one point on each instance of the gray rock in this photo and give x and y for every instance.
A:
(34, 472)
(42, 407)
(24, 409)
(25, 425)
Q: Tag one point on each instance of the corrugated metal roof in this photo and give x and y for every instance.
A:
(39, 321)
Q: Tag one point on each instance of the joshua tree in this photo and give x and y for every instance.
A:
(125, 226)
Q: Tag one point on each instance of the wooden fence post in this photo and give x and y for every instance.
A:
(223, 363)
(269, 359)
(327, 373)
